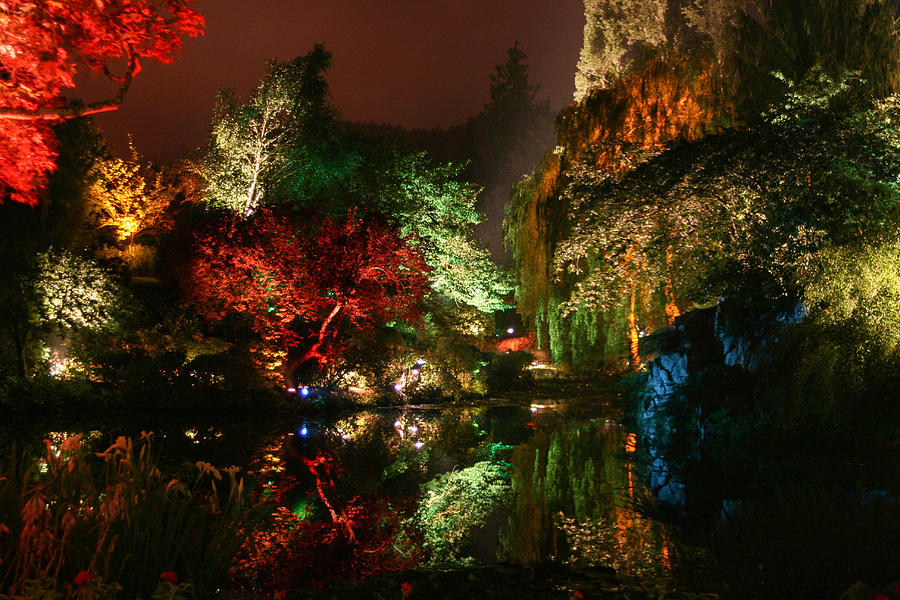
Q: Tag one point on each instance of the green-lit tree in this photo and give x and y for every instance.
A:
(253, 143)
(54, 293)
(436, 211)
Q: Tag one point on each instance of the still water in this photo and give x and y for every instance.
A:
(550, 481)
(558, 481)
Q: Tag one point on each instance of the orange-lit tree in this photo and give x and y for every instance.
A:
(300, 281)
(124, 200)
(45, 43)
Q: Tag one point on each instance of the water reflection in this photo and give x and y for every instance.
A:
(523, 484)
(576, 499)
(572, 495)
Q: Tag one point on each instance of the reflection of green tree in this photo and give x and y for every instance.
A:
(456, 505)
(574, 501)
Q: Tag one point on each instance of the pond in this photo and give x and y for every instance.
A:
(552, 482)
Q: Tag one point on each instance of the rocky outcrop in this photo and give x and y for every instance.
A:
(721, 340)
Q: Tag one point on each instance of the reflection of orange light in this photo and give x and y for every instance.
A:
(671, 308)
(631, 442)
(666, 559)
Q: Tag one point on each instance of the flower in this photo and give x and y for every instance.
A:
(577, 595)
(405, 589)
(83, 578)
(169, 577)
(281, 595)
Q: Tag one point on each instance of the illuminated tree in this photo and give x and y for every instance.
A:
(743, 41)
(252, 142)
(55, 292)
(72, 292)
(299, 281)
(614, 32)
(437, 212)
(609, 236)
(123, 199)
(44, 45)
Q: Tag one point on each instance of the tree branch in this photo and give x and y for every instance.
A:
(74, 109)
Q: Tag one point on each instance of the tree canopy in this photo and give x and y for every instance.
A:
(254, 144)
(44, 45)
(290, 274)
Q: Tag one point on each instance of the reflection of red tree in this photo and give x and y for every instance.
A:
(42, 47)
(320, 468)
(284, 272)
(288, 552)
(516, 344)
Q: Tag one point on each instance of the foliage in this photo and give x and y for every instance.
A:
(253, 143)
(437, 212)
(852, 288)
(456, 505)
(64, 219)
(124, 200)
(614, 32)
(54, 292)
(453, 336)
(46, 44)
(71, 292)
(507, 137)
(121, 520)
(285, 273)
(836, 369)
(744, 40)
(739, 214)
(283, 146)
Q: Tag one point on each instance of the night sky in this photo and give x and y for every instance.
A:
(415, 63)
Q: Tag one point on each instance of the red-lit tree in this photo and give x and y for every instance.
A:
(293, 275)
(45, 43)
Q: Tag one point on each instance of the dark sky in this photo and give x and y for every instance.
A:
(415, 63)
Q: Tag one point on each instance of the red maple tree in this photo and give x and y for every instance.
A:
(312, 274)
(45, 43)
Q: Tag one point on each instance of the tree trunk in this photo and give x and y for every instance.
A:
(313, 352)
(19, 340)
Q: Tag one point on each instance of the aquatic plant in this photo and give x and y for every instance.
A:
(72, 517)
